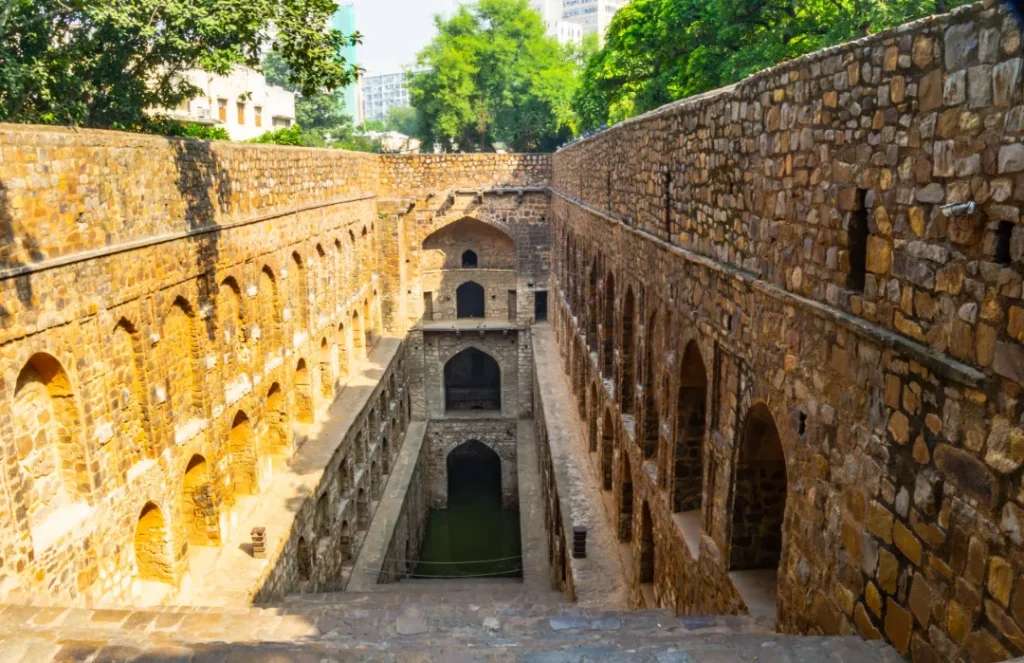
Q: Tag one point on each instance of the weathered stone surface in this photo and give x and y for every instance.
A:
(968, 473)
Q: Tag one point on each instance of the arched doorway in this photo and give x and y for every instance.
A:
(474, 474)
(469, 300)
(474, 535)
(199, 504)
(472, 381)
(469, 258)
(305, 559)
(651, 429)
(243, 456)
(608, 329)
(688, 462)
(648, 559)
(759, 495)
(152, 546)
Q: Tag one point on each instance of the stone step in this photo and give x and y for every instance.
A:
(470, 622)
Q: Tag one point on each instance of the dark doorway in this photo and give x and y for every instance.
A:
(474, 536)
(540, 305)
(472, 381)
(469, 300)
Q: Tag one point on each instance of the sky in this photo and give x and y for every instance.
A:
(395, 30)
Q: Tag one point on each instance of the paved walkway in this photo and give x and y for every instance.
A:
(227, 575)
(533, 535)
(600, 578)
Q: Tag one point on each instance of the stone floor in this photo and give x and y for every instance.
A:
(600, 578)
(412, 621)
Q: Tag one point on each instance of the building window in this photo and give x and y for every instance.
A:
(222, 110)
(469, 259)
(241, 111)
(258, 116)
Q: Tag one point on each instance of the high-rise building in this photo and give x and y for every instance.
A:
(383, 92)
(344, 20)
(566, 32)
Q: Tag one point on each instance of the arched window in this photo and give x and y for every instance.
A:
(759, 496)
(472, 381)
(608, 328)
(469, 258)
(469, 300)
(275, 417)
(628, 387)
(647, 553)
(607, 450)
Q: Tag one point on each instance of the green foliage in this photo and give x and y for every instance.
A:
(293, 135)
(493, 76)
(661, 50)
(102, 63)
(169, 127)
(298, 136)
(404, 120)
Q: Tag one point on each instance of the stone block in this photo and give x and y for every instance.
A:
(1000, 580)
(898, 625)
(907, 543)
(968, 473)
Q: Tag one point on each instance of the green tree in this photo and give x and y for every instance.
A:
(661, 50)
(103, 63)
(403, 119)
(492, 76)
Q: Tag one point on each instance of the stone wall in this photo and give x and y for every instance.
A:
(444, 435)
(176, 318)
(786, 239)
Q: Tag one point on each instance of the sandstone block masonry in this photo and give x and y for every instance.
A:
(792, 311)
(176, 318)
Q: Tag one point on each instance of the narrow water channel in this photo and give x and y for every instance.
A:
(474, 536)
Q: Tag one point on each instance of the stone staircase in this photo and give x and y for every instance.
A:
(411, 621)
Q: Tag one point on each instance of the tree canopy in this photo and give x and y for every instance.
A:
(493, 76)
(658, 51)
(105, 63)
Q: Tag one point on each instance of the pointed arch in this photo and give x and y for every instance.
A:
(342, 349)
(592, 436)
(592, 310)
(300, 291)
(627, 385)
(242, 453)
(269, 308)
(130, 402)
(688, 454)
(625, 499)
(759, 494)
(304, 413)
(180, 353)
(449, 246)
(359, 349)
(651, 429)
(470, 300)
(607, 449)
(230, 322)
(199, 504)
(608, 328)
(277, 438)
(152, 546)
(51, 454)
(326, 374)
(472, 381)
(648, 559)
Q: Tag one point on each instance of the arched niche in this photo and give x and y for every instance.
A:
(472, 381)
(445, 247)
(470, 300)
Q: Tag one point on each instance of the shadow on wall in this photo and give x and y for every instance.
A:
(9, 247)
(206, 189)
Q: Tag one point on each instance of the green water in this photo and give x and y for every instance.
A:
(473, 527)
